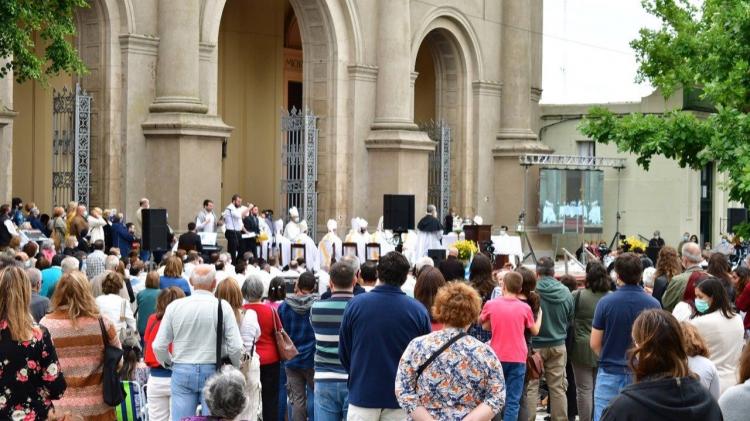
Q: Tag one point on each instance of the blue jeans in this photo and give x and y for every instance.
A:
(608, 385)
(331, 401)
(187, 389)
(514, 374)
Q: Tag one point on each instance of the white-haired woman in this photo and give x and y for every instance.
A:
(224, 393)
(265, 345)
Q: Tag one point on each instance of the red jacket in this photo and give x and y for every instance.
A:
(152, 328)
(266, 344)
(743, 304)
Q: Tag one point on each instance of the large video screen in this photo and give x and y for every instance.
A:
(570, 201)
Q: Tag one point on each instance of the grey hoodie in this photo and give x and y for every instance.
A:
(301, 304)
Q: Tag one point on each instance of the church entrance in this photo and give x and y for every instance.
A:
(438, 105)
(260, 79)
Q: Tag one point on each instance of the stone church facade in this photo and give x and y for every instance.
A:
(188, 97)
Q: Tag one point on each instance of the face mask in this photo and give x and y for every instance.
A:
(685, 237)
(701, 305)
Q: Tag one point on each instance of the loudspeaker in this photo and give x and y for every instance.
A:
(735, 216)
(155, 230)
(398, 212)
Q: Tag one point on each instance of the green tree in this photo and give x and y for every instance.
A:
(54, 22)
(707, 47)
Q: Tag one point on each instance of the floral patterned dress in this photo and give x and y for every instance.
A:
(464, 376)
(30, 376)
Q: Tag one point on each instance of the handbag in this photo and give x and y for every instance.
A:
(113, 391)
(437, 353)
(534, 365)
(220, 361)
(284, 343)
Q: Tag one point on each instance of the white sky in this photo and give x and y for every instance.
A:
(587, 58)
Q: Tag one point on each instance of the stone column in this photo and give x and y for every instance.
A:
(397, 151)
(183, 143)
(6, 135)
(520, 96)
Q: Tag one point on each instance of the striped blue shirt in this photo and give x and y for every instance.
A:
(325, 317)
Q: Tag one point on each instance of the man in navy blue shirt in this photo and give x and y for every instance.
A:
(610, 333)
(375, 330)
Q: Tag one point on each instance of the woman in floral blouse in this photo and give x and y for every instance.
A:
(465, 381)
(29, 372)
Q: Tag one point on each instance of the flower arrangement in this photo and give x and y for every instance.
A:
(263, 237)
(633, 242)
(466, 249)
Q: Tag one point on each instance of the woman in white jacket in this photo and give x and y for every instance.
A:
(96, 225)
(720, 327)
(112, 305)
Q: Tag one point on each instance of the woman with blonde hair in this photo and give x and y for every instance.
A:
(465, 380)
(697, 352)
(78, 330)
(29, 371)
(229, 291)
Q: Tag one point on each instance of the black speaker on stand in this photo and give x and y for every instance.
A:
(155, 229)
(398, 215)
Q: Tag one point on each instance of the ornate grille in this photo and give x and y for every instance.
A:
(71, 142)
(439, 174)
(300, 165)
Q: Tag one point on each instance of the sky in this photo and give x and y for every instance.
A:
(587, 56)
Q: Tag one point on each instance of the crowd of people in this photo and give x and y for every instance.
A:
(245, 338)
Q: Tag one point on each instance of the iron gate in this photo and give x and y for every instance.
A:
(71, 142)
(300, 165)
(439, 173)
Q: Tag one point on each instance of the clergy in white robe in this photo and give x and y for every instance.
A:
(359, 235)
(292, 229)
(429, 233)
(329, 246)
(283, 245)
(383, 237)
(312, 262)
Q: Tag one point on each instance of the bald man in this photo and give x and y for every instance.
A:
(691, 260)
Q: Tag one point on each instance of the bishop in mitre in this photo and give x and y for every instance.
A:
(358, 234)
(311, 251)
(292, 229)
(329, 247)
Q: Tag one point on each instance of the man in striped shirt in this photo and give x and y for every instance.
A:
(331, 392)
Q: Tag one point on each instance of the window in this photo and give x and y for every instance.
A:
(586, 148)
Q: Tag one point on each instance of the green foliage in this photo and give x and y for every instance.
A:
(54, 21)
(706, 47)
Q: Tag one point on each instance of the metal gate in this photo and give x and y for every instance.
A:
(71, 142)
(300, 165)
(439, 173)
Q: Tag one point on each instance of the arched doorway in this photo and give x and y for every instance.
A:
(440, 97)
(33, 149)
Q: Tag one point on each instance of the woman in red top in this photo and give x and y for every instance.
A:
(742, 275)
(158, 388)
(252, 291)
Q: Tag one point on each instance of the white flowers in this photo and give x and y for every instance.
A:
(52, 369)
(18, 415)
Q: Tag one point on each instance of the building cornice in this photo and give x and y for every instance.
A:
(363, 72)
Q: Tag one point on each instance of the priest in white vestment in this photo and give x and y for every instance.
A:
(292, 229)
(283, 245)
(429, 233)
(312, 262)
(359, 235)
(330, 246)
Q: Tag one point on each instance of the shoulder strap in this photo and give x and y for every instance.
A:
(105, 335)
(219, 335)
(437, 353)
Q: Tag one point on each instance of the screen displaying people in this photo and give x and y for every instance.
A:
(570, 200)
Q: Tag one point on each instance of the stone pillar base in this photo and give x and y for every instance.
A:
(184, 163)
(397, 164)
